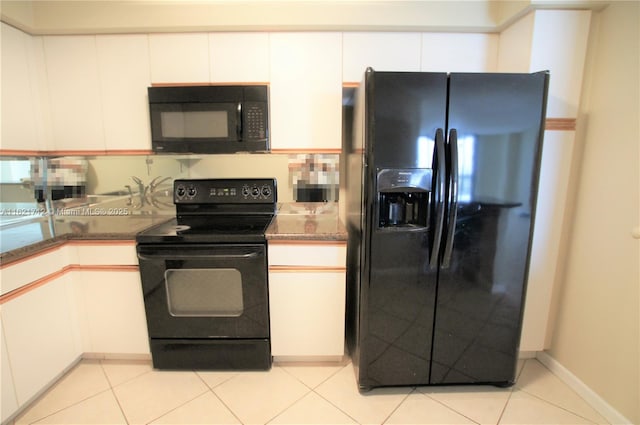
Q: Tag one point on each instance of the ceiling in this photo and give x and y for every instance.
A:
(39, 17)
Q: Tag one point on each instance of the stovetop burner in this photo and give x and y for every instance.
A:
(217, 210)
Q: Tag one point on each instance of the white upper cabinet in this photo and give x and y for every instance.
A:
(179, 58)
(124, 77)
(380, 51)
(306, 91)
(18, 106)
(459, 52)
(239, 57)
(74, 91)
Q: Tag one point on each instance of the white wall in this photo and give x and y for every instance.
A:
(597, 327)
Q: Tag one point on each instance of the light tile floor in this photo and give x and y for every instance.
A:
(117, 392)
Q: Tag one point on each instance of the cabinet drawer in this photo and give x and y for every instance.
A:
(307, 254)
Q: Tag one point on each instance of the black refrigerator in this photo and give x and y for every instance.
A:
(441, 179)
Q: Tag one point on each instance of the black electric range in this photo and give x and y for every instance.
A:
(204, 276)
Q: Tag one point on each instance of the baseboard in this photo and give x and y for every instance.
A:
(576, 384)
(117, 356)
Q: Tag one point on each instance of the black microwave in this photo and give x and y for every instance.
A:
(209, 119)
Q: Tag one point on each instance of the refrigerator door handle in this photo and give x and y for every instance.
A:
(453, 197)
(439, 192)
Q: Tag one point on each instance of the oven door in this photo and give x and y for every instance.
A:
(205, 291)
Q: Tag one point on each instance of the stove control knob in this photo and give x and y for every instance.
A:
(266, 191)
(255, 191)
(180, 192)
(191, 191)
(246, 191)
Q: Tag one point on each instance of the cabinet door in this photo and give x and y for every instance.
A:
(9, 400)
(239, 57)
(41, 335)
(381, 51)
(306, 91)
(307, 313)
(443, 52)
(111, 311)
(179, 58)
(123, 62)
(74, 91)
(18, 109)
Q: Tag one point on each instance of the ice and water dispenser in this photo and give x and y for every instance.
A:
(404, 197)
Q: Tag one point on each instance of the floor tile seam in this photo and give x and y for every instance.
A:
(447, 406)
(288, 407)
(413, 390)
(218, 384)
(177, 407)
(550, 372)
(337, 407)
(124, 415)
(225, 404)
(35, 421)
(112, 389)
(564, 384)
(504, 408)
(320, 383)
(519, 372)
(126, 380)
(561, 407)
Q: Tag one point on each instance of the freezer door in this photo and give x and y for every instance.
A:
(496, 122)
(406, 114)
(407, 110)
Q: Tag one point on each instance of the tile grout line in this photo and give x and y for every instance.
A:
(310, 390)
(115, 396)
(413, 390)
(52, 389)
(551, 402)
(558, 406)
(449, 407)
(313, 390)
(179, 406)
(504, 408)
(212, 389)
(514, 386)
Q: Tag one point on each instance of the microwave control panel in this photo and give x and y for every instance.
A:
(255, 121)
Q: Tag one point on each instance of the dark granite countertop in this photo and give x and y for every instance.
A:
(27, 230)
(314, 221)
(44, 234)
(294, 221)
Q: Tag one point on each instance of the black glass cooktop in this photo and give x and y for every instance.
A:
(208, 229)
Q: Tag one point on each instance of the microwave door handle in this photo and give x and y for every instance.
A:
(239, 120)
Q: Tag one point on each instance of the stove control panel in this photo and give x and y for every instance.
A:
(224, 191)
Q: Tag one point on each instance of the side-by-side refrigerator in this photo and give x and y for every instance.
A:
(441, 178)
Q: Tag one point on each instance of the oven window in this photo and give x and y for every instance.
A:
(195, 124)
(204, 292)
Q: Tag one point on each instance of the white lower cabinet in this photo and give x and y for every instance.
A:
(41, 337)
(111, 313)
(307, 300)
(90, 303)
(307, 313)
(8, 402)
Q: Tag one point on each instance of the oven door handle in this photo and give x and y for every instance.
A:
(159, 252)
(186, 255)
